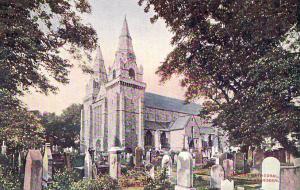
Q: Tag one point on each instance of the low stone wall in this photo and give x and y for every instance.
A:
(290, 177)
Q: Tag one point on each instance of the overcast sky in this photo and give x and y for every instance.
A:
(151, 45)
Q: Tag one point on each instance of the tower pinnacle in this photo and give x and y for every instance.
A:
(125, 41)
(99, 68)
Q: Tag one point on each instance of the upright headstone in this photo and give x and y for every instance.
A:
(184, 171)
(67, 159)
(20, 165)
(166, 163)
(216, 175)
(270, 174)
(222, 157)
(114, 162)
(228, 168)
(239, 162)
(296, 162)
(175, 158)
(152, 172)
(148, 157)
(227, 185)
(138, 157)
(250, 157)
(47, 165)
(88, 167)
(198, 157)
(258, 157)
(129, 159)
(3, 148)
(33, 170)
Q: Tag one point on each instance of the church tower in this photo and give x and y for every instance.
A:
(96, 81)
(125, 92)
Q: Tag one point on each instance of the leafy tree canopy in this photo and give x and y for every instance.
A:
(243, 56)
(63, 130)
(33, 35)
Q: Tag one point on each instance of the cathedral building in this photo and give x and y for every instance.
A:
(117, 110)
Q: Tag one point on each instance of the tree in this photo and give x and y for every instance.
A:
(63, 130)
(33, 35)
(243, 56)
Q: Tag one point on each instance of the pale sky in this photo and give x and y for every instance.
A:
(151, 45)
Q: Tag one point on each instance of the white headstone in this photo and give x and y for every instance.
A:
(216, 175)
(175, 159)
(166, 163)
(152, 172)
(88, 168)
(114, 162)
(270, 174)
(3, 148)
(184, 171)
(47, 165)
(297, 162)
(227, 185)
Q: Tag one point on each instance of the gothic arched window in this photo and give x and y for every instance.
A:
(131, 74)
(164, 140)
(148, 138)
(114, 74)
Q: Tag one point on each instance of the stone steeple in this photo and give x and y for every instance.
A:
(100, 74)
(125, 41)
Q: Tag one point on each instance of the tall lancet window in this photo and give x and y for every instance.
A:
(131, 74)
(114, 74)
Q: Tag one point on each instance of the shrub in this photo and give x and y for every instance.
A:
(134, 178)
(160, 182)
(103, 183)
(9, 178)
(63, 180)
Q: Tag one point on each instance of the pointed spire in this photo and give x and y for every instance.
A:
(125, 41)
(99, 68)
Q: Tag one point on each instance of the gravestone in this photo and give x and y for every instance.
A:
(20, 165)
(114, 162)
(227, 185)
(258, 157)
(222, 157)
(148, 157)
(228, 168)
(250, 157)
(130, 161)
(47, 165)
(198, 157)
(166, 163)
(175, 158)
(152, 172)
(3, 148)
(270, 174)
(184, 171)
(138, 157)
(88, 173)
(216, 175)
(296, 162)
(67, 160)
(33, 170)
(239, 162)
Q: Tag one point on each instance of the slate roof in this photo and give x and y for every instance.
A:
(180, 123)
(154, 125)
(171, 104)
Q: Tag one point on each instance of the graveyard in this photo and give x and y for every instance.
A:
(53, 168)
(149, 95)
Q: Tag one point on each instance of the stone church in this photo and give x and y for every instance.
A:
(117, 110)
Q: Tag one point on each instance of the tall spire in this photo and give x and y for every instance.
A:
(125, 41)
(99, 68)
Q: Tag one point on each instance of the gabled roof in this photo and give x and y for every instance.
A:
(180, 123)
(171, 104)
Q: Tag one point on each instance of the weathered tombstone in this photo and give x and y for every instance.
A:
(216, 175)
(3, 148)
(175, 158)
(184, 171)
(296, 162)
(47, 165)
(138, 157)
(239, 162)
(87, 165)
(227, 185)
(166, 163)
(114, 162)
(67, 159)
(258, 157)
(228, 168)
(250, 157)
(20, 163)
(129, 160)
(222, 157)
(148, 157)
(270, 173)
(33, 170)
(152, 172)
(198, 157)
